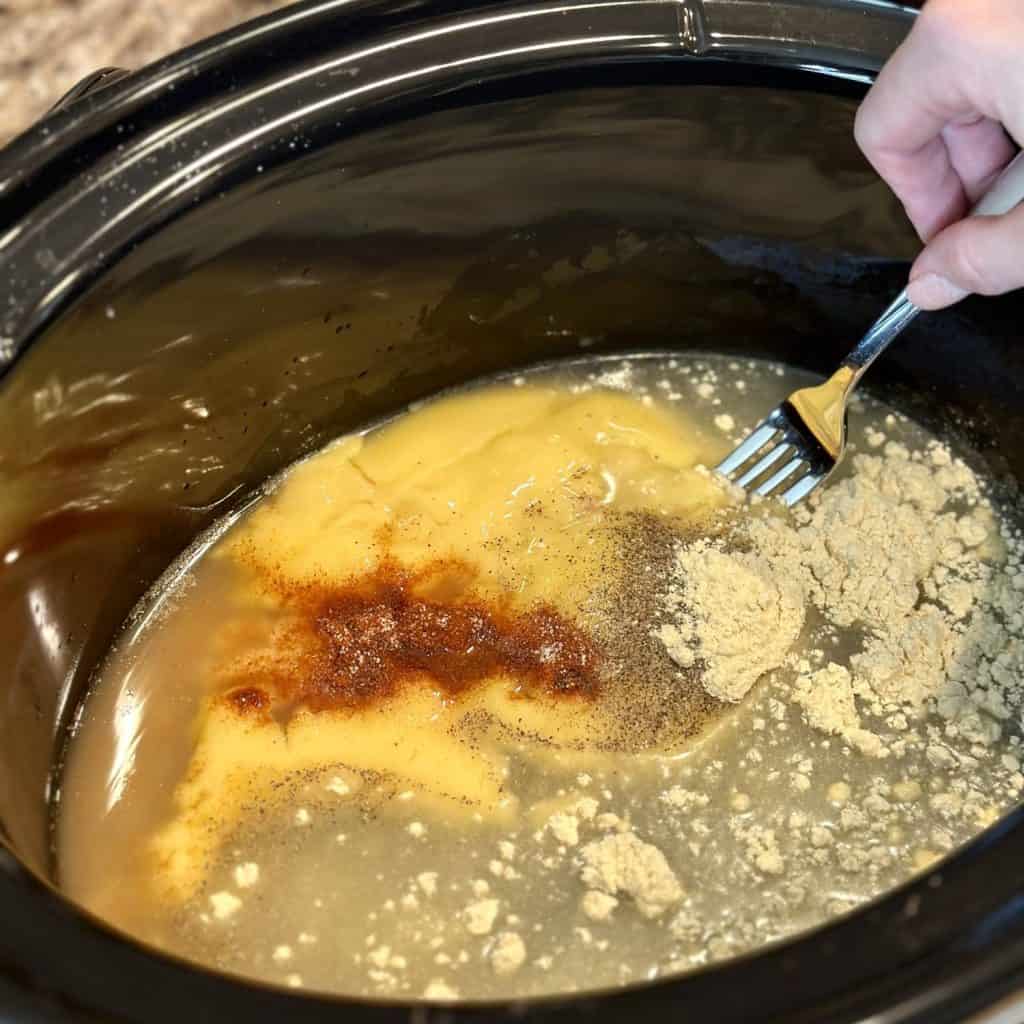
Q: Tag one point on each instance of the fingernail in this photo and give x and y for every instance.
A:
(932, 291)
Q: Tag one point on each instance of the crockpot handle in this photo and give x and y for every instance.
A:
(90, 83)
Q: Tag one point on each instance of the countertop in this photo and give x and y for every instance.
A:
(48, 45)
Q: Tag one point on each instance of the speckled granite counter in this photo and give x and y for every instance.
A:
(48, 45)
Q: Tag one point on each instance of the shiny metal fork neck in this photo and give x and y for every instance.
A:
(808, 431)
(806, 434)
(881, 334)
(823, 408)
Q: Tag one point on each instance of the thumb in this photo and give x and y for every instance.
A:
(978, 254)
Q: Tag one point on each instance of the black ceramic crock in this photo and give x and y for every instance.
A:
(210, 267)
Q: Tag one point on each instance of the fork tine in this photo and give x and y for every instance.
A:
(802, 488)
(765, 463)
(776, 480)
(757, 440)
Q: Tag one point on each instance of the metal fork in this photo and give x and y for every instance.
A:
(801, 442)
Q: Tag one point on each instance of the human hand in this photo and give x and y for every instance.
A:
(934, 126)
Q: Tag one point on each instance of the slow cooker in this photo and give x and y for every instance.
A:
(372, 173)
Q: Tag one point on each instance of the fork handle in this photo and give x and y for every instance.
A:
(1006, 193)
(880, 335)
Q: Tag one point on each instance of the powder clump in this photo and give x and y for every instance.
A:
(508, 954)
(625, 864)
(829, 705)
(480, 916)
(732, 613)
(597, 905)
(907, 664)
(897, 559)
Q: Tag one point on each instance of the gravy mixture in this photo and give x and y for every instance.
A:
(510, 696)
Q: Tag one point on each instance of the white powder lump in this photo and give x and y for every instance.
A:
(731, 612)
(508, 953)
(224, 905)
(761, 847)
(686, 926)
(382, 957)
(932, 595)
(957, 596)
(339, 786)
(681, 799)
(828, 703)
(597, 905)
(907, 665)
(565, 828)
(624, 864)
(480, 916)
(427, 881)
(964, 714)
(440, 990)
(247, 875)
(864, 552)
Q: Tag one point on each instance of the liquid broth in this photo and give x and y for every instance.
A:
(356, 883)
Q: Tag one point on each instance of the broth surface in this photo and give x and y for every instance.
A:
(435, 717)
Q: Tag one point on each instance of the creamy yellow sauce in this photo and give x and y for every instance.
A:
(512, 480)
(523, 484)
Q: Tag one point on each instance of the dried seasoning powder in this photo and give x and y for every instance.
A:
(909, 581)
(624, 864)
(732, 613)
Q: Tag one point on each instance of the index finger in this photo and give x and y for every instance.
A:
(900, 126)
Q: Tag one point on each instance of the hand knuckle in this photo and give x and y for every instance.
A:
(943, 16)
(970, 263)
(864, 128)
